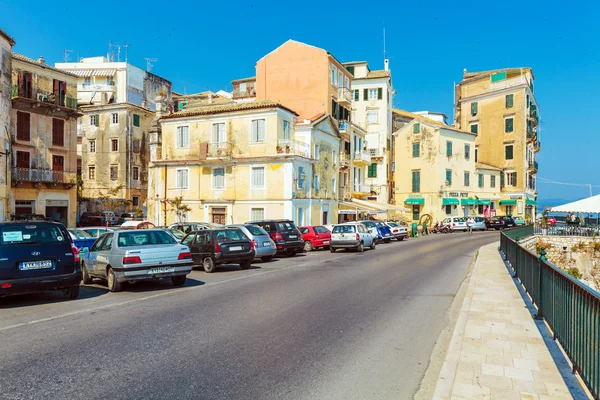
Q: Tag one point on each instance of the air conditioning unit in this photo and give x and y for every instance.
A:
(42, 97)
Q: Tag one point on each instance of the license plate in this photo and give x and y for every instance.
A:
(325, 241)
(293, 236)
(266, 244)
(236, 248)
(161, 270)
(29, 265)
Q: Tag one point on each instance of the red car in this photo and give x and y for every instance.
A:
(315, 237)
(551, 221)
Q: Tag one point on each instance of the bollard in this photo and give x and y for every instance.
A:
(425, 231)
(541, 259)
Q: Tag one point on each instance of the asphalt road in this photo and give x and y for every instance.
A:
(317, 326)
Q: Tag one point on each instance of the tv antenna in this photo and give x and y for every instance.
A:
(149, 62)
(66, 55)
(384, 43)
(118, 46)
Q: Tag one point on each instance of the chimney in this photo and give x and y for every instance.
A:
(464, 72)
(210, 98)
(386, 64)
(41, 60)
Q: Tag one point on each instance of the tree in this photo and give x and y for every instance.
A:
(110, 202)
(179, 207)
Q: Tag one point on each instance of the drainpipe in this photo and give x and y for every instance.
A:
(165, 198)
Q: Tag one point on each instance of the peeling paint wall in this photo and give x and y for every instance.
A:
(5, 122)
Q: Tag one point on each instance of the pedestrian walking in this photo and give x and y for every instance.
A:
(470, 223)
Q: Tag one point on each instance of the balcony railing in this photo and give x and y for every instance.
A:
(377, 152)
(362, 188)
(220, 149)
(344, 95)
(47, 97)
(103, 87)
(344, 125)
(362, 156)
(344, 159)
(42, 175)
(521, 80)
(533, 165)
(344, 193)
(289, 146)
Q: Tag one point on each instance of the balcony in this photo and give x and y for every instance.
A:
(249, 92)
(508, 83)
(46, 98)
(533, 167)
(96, 87)
(344, 193)
(344, 126)
(533, 116)
(344, 159)
(289, 146)
(37, 175)
(344, 96)
(220, 149)
(360, 188)
(536, 145)
(362, 158)
(376, 153)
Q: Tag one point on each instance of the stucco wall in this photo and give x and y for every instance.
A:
(5, 121)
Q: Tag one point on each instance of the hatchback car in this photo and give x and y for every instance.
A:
(212, 247)
(399, 231)
(37, 256)
(264, 246)
(351, 235)
(479, 224)
(372, 228)
(187, 227)
(509, 222)
(285, 234)
(456, 223)
(315, 237)
(494, 223)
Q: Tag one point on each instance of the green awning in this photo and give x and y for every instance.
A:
(415, 202)
(484, 202)
(531, 202)
(468, 202)
(508, 202)
(450, 201)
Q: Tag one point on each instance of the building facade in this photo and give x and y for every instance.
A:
(43, 140)
(501, 108)
(244, 89)
(6, 45)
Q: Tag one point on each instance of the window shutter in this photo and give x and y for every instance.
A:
(56, 91)
(416, 127)
(509, 100)
(508, 125)
(449, 148)
(509, 153)
(26, 133)
(22, 84)
(97, 120)
(474, 108)
(261, 130)
(448, 176)
(514, 182)
(366, 94)
(380, 93)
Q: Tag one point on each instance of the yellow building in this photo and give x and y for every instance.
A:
(234, 163)
(44, 140)
(500, 107)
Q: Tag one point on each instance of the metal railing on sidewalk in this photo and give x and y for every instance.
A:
(567, 230)
(570, 308)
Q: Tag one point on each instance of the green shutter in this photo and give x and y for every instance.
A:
(449, 148)
(508, 125)
(136, 120)
(474, 108)
(467, 176)
(467, 151)
(416, 127)
(416, 181)
(475, 128)
(372, 170)
(416, 150)
(480, 180)
(389, 144)
(509, 100)
(501, 179)
(350, 69)
(500, 76)
(448, 177)
(97, 120)
(380, 93)
(356, 95)
(508, 150)
(366, 94)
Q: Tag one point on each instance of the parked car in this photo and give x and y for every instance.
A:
(519, 221)
(188, 227)
(456, 223)
(109, 216)
(129, 216)
(285, 234)
(28, 217)
(92, 221)
(96, 231)
(399, 231)
(81, 239)
(37, 256)
(176, 233)
(384, 231)
(134, 255)
(509, 222)
(351, 235)
(479, 224)
(212, 247)
(315, 237)
(87, 214)
(372, 228)
(498, 223)
(551, 221)
(264, 246)
(138, 225)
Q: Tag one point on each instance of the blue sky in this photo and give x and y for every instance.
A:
(205, 46)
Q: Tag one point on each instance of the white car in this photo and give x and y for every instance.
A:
(456, 223)
(399, 231)
(352, 235)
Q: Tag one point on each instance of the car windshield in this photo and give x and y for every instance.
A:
(230, 235)
(344, 229)
(286, 226)
(381, 225)
(80, 234)
(256, 230)
(368, 224)
(144, 238)
(460, 219)
(303, 230)
(177, 233)
(393, 224)
(31, 233)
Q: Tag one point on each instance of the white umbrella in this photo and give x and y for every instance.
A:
(589, 205)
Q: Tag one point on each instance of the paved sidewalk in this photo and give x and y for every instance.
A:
(497, 350)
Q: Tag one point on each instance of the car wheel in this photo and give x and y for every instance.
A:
(360, 248)
(113, 284)
(72, 292)
(373, 245)
(291, 253)
(87, 279)
(308, 246)
(401, 238)
(267, 258)
(178, 280)
(332, 249)
(209, 265)
(245, 264)
(387, 240)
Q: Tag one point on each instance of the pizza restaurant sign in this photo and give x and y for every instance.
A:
(456, 194)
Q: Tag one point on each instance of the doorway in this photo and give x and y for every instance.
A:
(219, 215)
(325, 217)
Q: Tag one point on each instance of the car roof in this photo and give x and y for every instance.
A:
(270, 220)
(37, 222)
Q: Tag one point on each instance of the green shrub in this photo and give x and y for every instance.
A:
(574, 272)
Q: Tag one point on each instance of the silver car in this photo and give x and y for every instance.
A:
(351, 235)
(96, 231)
(264, 246)
(134, 255)
(479, 224)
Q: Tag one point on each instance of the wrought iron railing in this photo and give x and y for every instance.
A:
(377, 152)
(567, 230)
(362, 156)
(220, 149)
(344, 125)
(290, 146)
(103, 87)
(42, 175)
(344, 94)
(569, 307)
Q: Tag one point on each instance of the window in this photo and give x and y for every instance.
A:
(356, 95)
(114, 118)
(509, 210)
(476, 153)
(365, 94)
(181, 176)
(257, 214)
(243, 87)
(95, 120)
(333, 75)
(509, 100)
(317, 182)
(60, 92)
(371, 117)
(511, 179)
(467, 151)
(480, 180)
(467, 178)
(317, 152)
(257, 133)
(448, 209)
(58, 163)
(135, 144)
(114, 144)
(372, 171)
(474, 108)
(448, 148)
(333, 185)
(23, 126)
(92, 146)
(372, 94)
(493, 181)
(379, 93)
(417, 127)
(23, 159)
(475, 128)
(301, 177)
(218, 178)
(183, 136)
(114, 172)
(257, 177)
(25, 87)
(448, 177)
(91, 172)
(416, 147)
(508, 152)
(218, 133)
(135, 201)
(136, 120)
(286, 130)
(508, 125)
(416, 181)
(136, 173)
(58, 132)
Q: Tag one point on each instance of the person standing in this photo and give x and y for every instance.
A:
(470, 223)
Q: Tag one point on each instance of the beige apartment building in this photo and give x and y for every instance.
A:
(500, 107)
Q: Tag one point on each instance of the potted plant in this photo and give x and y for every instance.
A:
(545, 222)
(279, 149)
(287, 148)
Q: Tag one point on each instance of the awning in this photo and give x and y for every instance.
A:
(531, 202)
(346, 207)
(93, 72)
(450, 201)
(508, 202)
(469, 202)
(380, 206)
(484, 202)
(417, 201)
(589, 205)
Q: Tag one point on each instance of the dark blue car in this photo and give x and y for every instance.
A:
(384, 231)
